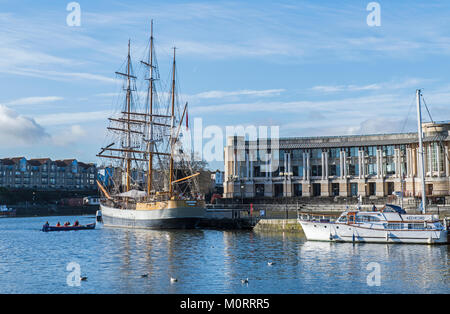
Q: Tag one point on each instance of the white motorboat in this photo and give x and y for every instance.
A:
(391, 224)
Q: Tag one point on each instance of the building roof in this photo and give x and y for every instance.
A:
(7, 161)
(38, 161)
(345, 141)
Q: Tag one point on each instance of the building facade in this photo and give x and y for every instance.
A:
(366, 165)
(47, 174)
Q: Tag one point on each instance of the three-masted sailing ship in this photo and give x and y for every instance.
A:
(146, 186)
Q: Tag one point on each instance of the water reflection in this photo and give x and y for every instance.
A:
(209, 261)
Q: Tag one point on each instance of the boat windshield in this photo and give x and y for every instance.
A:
(390, 208)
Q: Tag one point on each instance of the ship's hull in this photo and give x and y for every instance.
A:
(167, 218)
(319, 231)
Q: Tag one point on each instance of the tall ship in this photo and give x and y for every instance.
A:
(390, 224)
(150, 180)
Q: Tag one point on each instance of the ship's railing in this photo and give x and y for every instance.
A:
(317, 217)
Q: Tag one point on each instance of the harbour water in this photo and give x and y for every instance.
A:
(208, 261)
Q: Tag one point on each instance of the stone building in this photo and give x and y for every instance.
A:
(46, 174)
(367, 165)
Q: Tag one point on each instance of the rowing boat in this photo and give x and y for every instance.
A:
(47, 228)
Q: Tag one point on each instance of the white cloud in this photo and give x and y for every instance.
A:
(391, 85)
(245, 92)
(361, 104)
(69, 136)
(33, 100)
(16, 129)
(73, 117)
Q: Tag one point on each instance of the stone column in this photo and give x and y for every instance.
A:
(235, 164)
(416, 162)
(428, 157)
(344, 156)
(408, 162)
(323, 165)
(306, 186)
(438, 159)
(270, 167)
(360, 175)
(304, 166)
(379, 163)
(247, 165)
(308, 167)
(397, 162)
(447, 164)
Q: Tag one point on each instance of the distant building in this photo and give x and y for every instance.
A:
(47, 174)
(91, 200)
(366, 165)
(217, 177)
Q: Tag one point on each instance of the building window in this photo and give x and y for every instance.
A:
(353, 189)
(297, 154)
(353, 170)
(257, 171)
(372, 169)
(297, 189)
(295, 171)
(316, 170)
(335, 189)
(372, 188)
(390, 168)
(334, 153)
(372, 151)
(353, 151)
(259, 189)
(388, 150)
(335, 170)
(316, 153)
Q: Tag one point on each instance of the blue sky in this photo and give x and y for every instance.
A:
(311, 67)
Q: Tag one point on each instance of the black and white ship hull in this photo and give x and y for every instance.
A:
(167, 218)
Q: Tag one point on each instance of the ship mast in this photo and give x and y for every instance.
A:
(172, 125)
(421, 152)
(133, 123)
(128, 160)
(150, 92)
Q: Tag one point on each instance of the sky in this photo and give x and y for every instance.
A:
(313, 68)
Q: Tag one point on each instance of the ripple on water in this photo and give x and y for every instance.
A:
(207, 261)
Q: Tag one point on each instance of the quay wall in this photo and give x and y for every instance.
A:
(286, 225)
